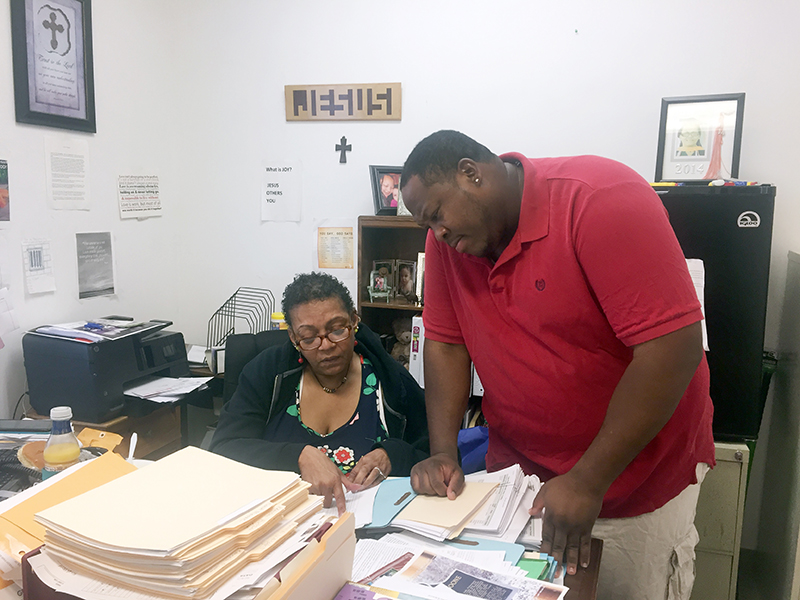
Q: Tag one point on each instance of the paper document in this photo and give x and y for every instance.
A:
(433, 576)
(358, 503)
(166, 389)
(196, 354)
(697, 271)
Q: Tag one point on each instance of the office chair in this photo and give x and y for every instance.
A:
(240, 349)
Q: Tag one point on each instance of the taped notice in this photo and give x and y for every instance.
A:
(138, 196)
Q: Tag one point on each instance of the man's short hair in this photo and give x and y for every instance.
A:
(436, 157)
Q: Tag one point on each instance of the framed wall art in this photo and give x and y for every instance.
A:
(51, 44)
(385, 188)
(700, 138)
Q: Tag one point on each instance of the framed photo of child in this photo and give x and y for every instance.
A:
(385, 188)
(406, 277)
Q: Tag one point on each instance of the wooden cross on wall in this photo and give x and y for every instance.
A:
(343, 147)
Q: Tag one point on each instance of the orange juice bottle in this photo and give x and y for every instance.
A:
(62, 449)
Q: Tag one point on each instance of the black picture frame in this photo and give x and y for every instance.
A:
(378, 175)
(53, 63)
(700, 138)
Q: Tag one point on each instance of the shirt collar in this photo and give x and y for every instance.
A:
(534, 214)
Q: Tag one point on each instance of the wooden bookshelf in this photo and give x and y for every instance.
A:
(385, 237)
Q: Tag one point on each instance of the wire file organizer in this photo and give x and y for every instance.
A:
(251, 306)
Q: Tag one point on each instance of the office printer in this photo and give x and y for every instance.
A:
(90, 377)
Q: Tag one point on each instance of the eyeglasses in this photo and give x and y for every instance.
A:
(335, 336)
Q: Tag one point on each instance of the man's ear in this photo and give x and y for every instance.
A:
(469, 168)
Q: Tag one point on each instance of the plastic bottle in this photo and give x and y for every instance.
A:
(62, 449)
(277, 321)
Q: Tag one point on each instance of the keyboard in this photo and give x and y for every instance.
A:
(14, 477)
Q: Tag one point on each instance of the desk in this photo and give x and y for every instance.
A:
(583, 585)
(161, 432)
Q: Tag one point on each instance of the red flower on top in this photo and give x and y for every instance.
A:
(343, 455)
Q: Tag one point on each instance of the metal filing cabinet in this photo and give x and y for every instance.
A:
(720, 510)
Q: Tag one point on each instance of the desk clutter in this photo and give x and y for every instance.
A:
(198, 525)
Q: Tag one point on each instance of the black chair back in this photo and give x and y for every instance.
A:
(241, 348)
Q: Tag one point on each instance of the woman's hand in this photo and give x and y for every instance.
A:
(325, 479)
(373, 468)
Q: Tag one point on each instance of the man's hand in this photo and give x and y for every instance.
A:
(570, 510)
(325, 479)
(371, 469)
(438, 475)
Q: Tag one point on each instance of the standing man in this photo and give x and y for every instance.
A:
(562, 280)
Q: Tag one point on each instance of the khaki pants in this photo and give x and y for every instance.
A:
(651, 557)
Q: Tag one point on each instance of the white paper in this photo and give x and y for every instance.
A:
(281, 191)
(505, 499)
(8, 316)
(196, 354)
(37, 263)
(139, 196)
(697, 271)
(67, 169)
(489, 559)
(65, 581)
(358, 503)
(170, 387)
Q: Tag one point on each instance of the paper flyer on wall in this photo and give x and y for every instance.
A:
(67, 169)
(8, 316)
(37, 263)
(139, 196)
(281, 191)
(95, 264)
(335, 247)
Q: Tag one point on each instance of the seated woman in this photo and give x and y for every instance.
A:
(330, 404)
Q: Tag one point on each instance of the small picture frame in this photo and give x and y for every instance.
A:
(379, 286)
(51, 46)
(406, 280)
(700, 138)
(420, 287)
(385, 188)
(385, 267)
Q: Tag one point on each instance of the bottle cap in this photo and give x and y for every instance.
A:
(60, 413)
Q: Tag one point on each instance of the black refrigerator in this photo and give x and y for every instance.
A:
(730, 229)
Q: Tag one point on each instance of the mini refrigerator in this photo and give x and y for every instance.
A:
(730, 229)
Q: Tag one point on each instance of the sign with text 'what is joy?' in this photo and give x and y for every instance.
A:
(281, 191)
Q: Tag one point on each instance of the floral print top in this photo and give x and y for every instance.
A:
(347, 444)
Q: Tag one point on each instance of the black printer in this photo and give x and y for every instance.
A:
(90, 376)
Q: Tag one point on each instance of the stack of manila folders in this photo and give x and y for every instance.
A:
(492, 506)
(191, 525)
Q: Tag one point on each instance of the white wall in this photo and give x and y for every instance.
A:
(193, 90)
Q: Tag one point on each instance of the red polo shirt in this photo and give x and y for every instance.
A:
(593, 269)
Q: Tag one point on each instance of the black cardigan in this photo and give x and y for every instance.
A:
(267, 387)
